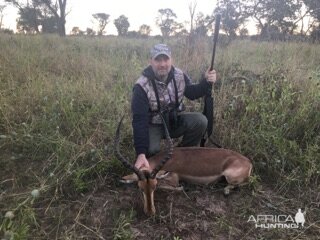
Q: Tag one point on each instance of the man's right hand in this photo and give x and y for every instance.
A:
(142, 162)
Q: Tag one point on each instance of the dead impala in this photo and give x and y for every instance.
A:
(192, 164)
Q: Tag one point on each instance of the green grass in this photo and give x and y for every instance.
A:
(121, 230)
(61, 99)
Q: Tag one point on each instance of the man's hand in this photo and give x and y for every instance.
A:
(211, 76)
(142, 162)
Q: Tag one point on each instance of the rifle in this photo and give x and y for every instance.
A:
(208, 99)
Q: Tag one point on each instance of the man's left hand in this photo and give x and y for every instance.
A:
(211, 76)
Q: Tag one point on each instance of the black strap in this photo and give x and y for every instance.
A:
(157, 94)
(176, 91)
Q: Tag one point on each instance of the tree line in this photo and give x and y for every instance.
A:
(274, 19)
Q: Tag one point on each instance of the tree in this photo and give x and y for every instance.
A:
(192, 11)
(49, 25)
(232, 16)
(166, 22)
(144, 30)
(301, 15)
(29, 20)
(314, 8)
(178, 29)
(133, 34)
(76, 31)
(203, 24)
(58, 9)
(315, 34)
(51, 15)
(2, 7)
(200, 24)
(274, 14)
(90, 32)
(122, 24)
(243, 32)
(103, 20)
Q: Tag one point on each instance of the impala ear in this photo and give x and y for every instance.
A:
(130, 178)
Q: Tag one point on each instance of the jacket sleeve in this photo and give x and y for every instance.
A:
(195, 91)
(140, 119)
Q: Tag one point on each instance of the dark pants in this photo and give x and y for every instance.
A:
(191, 126)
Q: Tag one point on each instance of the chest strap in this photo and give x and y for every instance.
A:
(155, 89)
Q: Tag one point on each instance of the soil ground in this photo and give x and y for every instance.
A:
(198, 212)
(113, 210)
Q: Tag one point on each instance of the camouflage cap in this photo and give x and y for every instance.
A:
(160, 49)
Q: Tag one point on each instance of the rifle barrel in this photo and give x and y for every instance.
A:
(215, 38)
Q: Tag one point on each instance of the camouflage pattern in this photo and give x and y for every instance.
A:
(166, 94)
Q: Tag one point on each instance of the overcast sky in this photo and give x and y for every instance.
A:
(138, 12)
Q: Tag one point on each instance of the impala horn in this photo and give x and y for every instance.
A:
(169, 147)
(124, 161)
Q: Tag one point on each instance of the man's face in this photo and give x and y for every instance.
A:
(161, 65)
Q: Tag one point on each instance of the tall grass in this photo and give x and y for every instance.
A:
(270, 98)
(61, 99)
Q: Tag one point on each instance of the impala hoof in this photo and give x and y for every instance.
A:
(226, 191)
(126, 181)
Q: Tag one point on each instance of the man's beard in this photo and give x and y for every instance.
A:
(162, 75)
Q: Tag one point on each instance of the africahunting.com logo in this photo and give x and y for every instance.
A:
(279, 221)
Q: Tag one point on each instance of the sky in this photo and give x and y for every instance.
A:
(138, 12)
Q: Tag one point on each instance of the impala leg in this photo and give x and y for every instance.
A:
(170, 182)
(236, 176)
(228, 188)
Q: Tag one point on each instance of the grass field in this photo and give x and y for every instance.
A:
(61, 98)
